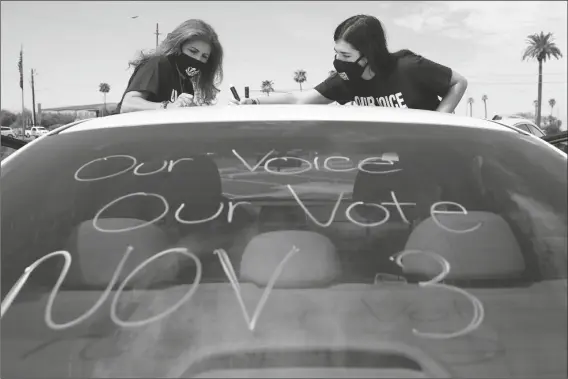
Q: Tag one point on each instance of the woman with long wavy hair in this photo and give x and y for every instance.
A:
(183, 71)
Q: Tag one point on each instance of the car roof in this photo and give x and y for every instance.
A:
(282, 113)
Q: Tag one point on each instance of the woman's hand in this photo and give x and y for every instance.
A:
(183, 100)
(243, 102)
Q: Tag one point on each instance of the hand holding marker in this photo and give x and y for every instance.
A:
(235, 93)
(238, 100)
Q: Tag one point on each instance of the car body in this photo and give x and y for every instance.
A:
(559, 140)
(36, 132)
(523, 124)
(405, 243)
(8, 132)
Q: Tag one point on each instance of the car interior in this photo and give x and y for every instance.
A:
(261, 232)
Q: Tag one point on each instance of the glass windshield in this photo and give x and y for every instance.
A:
(218, 249)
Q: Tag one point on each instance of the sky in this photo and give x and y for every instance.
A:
(74, 46)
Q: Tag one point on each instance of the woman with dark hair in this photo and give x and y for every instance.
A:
(184, 70)
(368, 74)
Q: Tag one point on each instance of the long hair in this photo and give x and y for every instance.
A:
(367, 35)
(205, 84)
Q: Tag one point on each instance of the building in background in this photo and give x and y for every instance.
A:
(82, 111)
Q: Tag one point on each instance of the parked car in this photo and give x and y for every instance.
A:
(10, 145)
(407, 244)
(36, 132)
(8, 132)
(521, 123)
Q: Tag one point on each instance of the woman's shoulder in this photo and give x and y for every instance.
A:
(160, 60)
(407, 60)
(153, 62)
(405, 57)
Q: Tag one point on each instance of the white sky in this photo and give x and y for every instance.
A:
(74, 46)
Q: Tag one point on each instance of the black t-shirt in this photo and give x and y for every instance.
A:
(160, 78)
(415, 82)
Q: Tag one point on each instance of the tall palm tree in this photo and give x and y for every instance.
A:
(484, 99)
(552, 103)
(470, 103)
(104, 88)
(300, 77)
(541, 47)
(267, 87)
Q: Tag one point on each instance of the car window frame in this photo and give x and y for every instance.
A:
(524, 126)
(537, 131)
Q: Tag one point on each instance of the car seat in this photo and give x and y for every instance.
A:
(96, 254)
(316, 263)
(197, 184)
(488, 251)
(412, 184)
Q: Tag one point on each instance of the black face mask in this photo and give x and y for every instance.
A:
(352, 70)
(189, 65)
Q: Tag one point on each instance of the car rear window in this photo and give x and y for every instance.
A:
(340, 203)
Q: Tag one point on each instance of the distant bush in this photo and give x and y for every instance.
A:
(50, 119)
(7, 118)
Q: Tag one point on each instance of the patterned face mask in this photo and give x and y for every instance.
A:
(189, 65)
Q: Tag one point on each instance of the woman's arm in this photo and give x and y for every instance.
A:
(136, 101)
(458, 85)
(300, 97)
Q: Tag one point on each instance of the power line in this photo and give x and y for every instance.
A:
(543, 74)
(513, 83)
(469, 82)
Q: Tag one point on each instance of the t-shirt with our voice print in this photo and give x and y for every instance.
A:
(415, 82)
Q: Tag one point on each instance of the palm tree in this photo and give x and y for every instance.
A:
(541, 47)
(267, 87)
(552, 103)
(104, 88)
(470, 102)
(300, 77)
(484, 99)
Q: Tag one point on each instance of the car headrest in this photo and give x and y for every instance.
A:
(196, 183)
(488, 251)
(315, 264)
(410, 185)
(96, 254)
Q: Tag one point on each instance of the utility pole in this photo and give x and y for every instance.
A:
(34, 118)
(157, 34)
(21, 70)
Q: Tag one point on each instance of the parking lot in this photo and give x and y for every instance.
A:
(238, 183)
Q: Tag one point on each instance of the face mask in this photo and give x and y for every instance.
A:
(351, 70)
(189, 65)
